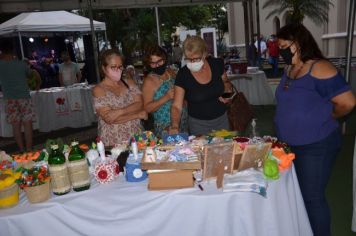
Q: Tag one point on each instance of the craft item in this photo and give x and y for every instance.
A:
(117, 150)
(121, 159)
(133, 171)
(58, 171)
(270, 169)
(92, 156)
(106, 171)
(134, 149)
(9, 196)
(38, 193)
(9, 192)
(145, 139)
(249, 180)
(149, 155)
(216, 153)
(285, 159)
(175, 138)
(78, 168)
(101, 148)
(254, 155)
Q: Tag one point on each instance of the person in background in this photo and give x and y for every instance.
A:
(132, 74)
(18, 107)
(177, 54)
(34, 58)
(311, 96)
(202, 82)
(273, 54)
(34, 78)
(158, 90)
(261, 56)
(69, 72)
(118, 103)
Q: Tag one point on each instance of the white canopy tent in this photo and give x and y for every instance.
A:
(51, 21)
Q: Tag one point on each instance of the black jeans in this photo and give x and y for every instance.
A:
(313, 164)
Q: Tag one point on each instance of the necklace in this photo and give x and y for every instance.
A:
(289, 80)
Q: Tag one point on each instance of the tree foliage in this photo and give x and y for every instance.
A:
(136, 29)
(297, 10)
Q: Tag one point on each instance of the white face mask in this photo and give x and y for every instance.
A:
(195, 66)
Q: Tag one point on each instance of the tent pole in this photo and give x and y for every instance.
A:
(158, 28)
(21, 46)
(247, 31)
(349, 42)
(93, 41)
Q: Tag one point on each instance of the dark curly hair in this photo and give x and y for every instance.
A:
(309, 49)
(154, 51)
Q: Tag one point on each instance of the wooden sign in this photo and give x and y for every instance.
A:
(215, 155)
(254, 155)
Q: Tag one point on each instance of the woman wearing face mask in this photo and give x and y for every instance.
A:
(158, 90)
(202, 82)
(118, 103)
(310, 97)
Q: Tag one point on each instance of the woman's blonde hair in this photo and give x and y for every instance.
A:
(194, 44)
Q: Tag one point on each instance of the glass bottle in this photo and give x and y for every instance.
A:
(58, 171)
(78, 168)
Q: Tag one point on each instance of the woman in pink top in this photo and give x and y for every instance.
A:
(118, 103)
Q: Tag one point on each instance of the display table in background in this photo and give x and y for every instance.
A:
(254, 86)
(122, 208)
(57, 108)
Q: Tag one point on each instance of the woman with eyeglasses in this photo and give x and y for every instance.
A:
(202, 82)
(158, 90)
(311, 96)
(118, 103)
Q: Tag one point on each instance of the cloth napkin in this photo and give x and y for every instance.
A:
(60, 101)
(74, 99)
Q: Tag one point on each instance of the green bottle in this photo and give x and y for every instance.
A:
(78, 168)
(58, 171)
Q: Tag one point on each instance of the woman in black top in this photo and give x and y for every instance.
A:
(201, 83)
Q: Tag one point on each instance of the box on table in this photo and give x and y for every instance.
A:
(170, 175)
(170, 179)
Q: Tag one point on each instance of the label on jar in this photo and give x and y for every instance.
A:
(79, 173)
(59, 178)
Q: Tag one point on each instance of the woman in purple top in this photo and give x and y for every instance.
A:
(310, 97)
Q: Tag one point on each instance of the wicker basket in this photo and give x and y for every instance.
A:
(9, 196)
(39, 193)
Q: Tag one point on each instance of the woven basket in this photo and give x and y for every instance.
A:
(39, 193)
(9, 196)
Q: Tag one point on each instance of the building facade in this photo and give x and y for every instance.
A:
(331, 37)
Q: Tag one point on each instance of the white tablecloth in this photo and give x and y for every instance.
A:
(254, 86)
(122, 208)
(49, 117)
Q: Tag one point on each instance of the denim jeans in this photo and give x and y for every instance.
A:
(313, 164)
(274, 63)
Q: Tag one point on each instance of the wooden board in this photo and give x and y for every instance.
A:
(170, 165)
(254, 155)
(215, 154)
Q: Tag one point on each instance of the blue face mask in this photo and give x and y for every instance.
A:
(287, 55)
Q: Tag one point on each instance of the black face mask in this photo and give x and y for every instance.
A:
(159, 70)
(287, 55)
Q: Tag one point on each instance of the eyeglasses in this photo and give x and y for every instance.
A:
(116, 68)
(157, 63)
(198, 59)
